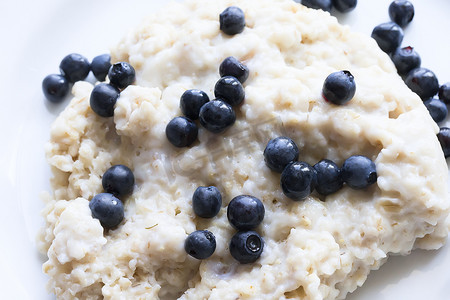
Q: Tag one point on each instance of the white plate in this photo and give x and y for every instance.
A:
(36, 35)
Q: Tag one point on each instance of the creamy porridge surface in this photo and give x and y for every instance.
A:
(314, 249)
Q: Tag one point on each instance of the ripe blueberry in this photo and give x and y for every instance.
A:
(181, 132)
(444, 140)
(405, 59)
(55, 87)
(325, 5)
(191, 101)
(230, 90)
(118, 180)
(216, 116)
(245, 212)
(388, 36)
(298, 180)
(329, 179)
(232, 20)
(200, 244)
(107, 209)
(230, 66)
(121, 75)
(279, 152)
(206, 201)
(339, 87)
(437, 108)
(100, 66)
(74, 67)
(103, 98)
(423, 82)
(359, 172)
(401, 12)
(246, 246)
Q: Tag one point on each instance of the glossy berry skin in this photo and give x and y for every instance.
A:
(325, 5)
(401, 12)
(298, 180)
(191, 101)
(359, 172)
(206, 201)
(245, 212)
(423, 82)
(246, 246)
(438, 110)
(339, 87)
(181, 132)
(200, 244)
(230, 90)
(344, 6)
(231, 66)
(444, 139)
(74, 67)
(118, 180)
(216, 116)
(232, 20)
(121, 75)
(329, 179)
(280, 152)
(388, 36)
(55, 87)
(100, 66)
(405, 59)
(103, 98)
(107, 209)
(444, 93)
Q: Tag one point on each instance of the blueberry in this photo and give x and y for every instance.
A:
(216, 116)
(401, 12)
(107, 209)
(200, 244)
(444, 93)
(325, 5)
(181, 132)
(245, 212)
(55, 87)
(329, 179)
(359, 172)
(100, 66)
(74, 67)
(246, 246)
(103, 98)
(344, 5)
(423, 82)
(444, 140)
(118, 180)
(206, 201)
(388, 36)
(231, 66)
(298, 180)
(191, 101)
(121, 75)
(405, 59)
(230, 90)
(339, 87)
(280, 152)
(437, 108)
(232, 20)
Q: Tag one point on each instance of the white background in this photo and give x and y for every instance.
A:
(36, 35)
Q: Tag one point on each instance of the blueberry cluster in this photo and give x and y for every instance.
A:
(217, 115)
(117, 182)
(342, 6)
(299, 179)
(244, 213)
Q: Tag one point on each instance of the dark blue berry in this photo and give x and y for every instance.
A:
(339, 87)
(246, 246)
(245, 212)
(298, 180)
(423, 82)
(231, 66)
(359, 172)
(121, 75)
(437, 108)
(191, 101)
(216, 116)
(444, 93)
(280, 152)
(388, 36)
(405, 59)
(401, 12)
(200, 244)
(181, 131)
(206, 201)
(232, 20)
(344, 6)
(100, 66)
(230, 90)
(118, 180)
(329, 179)
(74, 67)
(103, 98)
(55, 87)
(107, 209)
(325, 5)
(444, 140)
